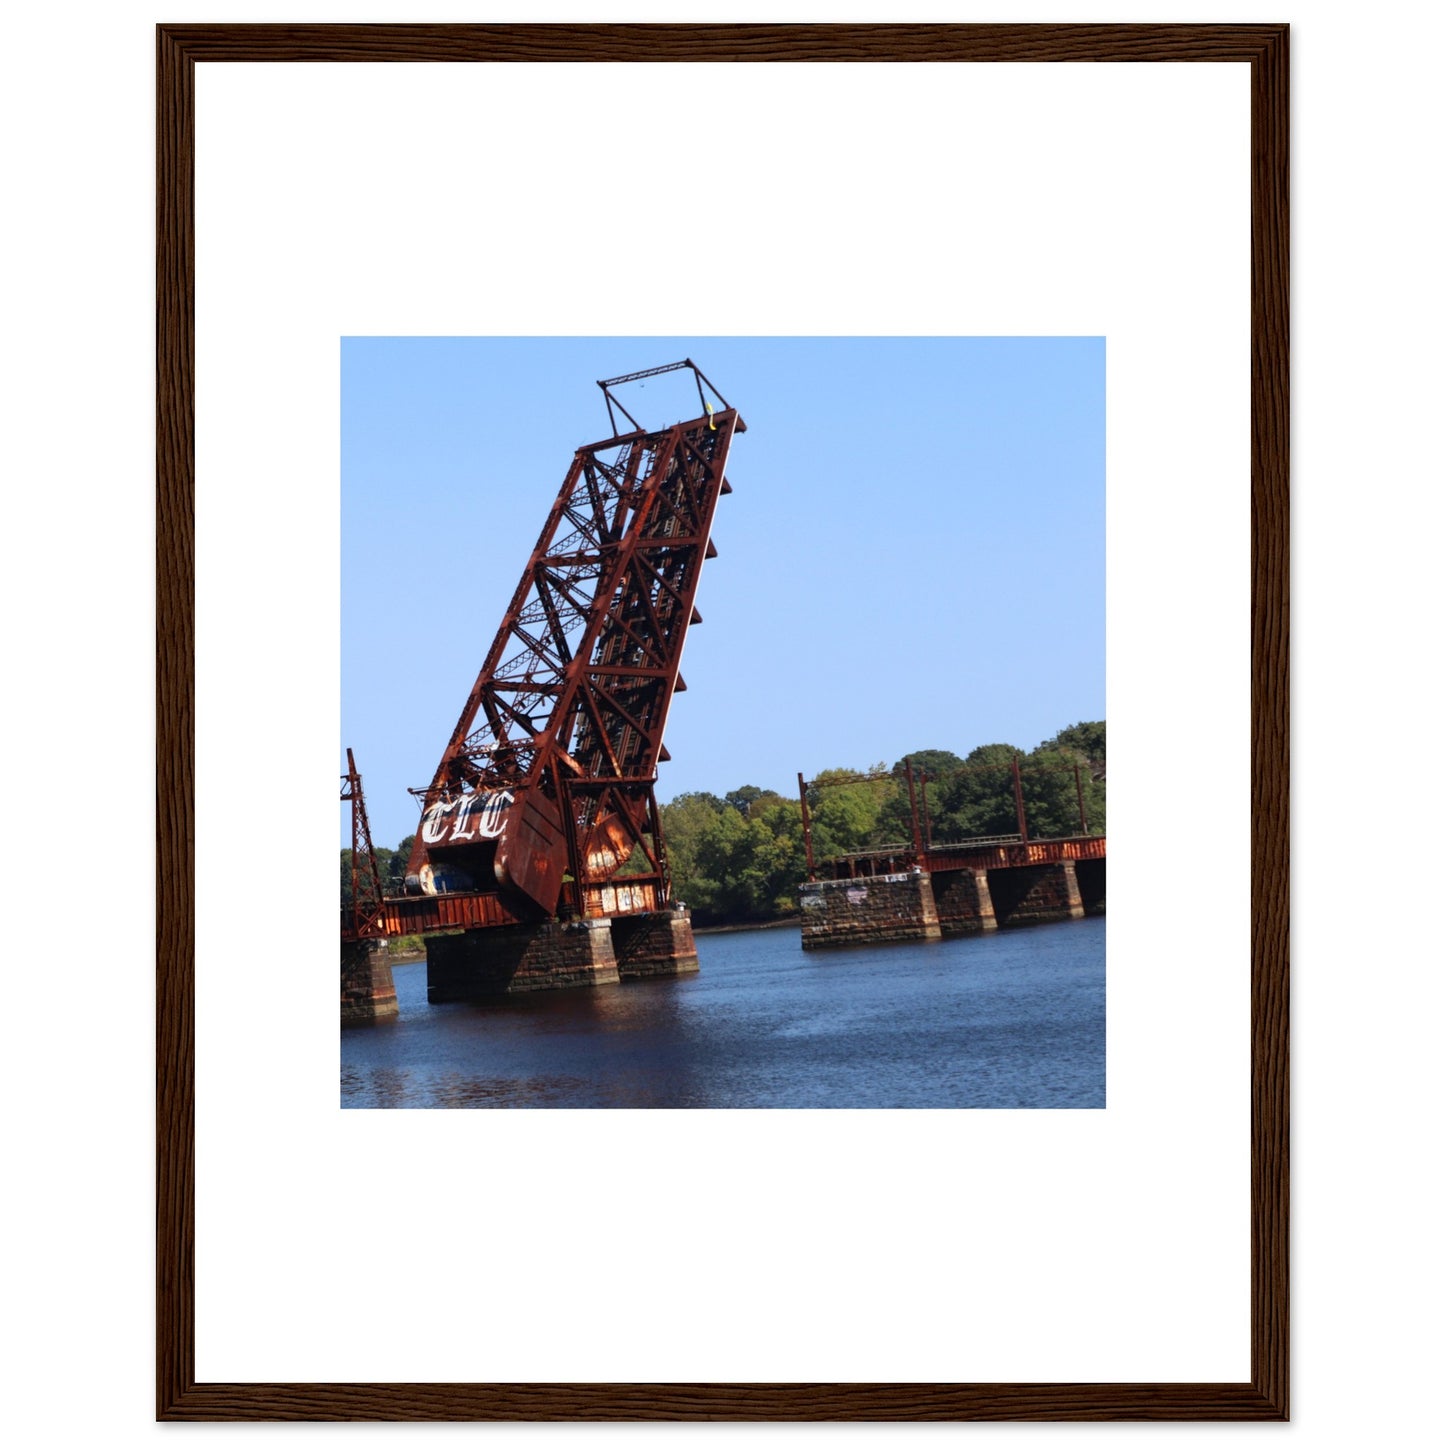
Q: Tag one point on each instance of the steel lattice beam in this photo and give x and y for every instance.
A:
(365, 917)
(549, 770)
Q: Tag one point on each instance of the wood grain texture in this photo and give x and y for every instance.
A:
(411, 44)
(786, 1402)
(1269, 739)
(175, 722)
(178, 49)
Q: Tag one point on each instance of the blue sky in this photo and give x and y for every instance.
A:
(912, 556)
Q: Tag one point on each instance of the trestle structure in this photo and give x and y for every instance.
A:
(364, 918)
(922, 889)
(368, 991)
(542, 807)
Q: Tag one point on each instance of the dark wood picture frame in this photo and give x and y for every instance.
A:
(179, 48)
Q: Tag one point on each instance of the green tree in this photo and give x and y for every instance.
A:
(896, 816)
(1051, 795)
(846, 807)
(933, 761)
(732, 868)
(1083, 737)
(978, 800)
(685, 821)
(727, 858)
(894, 824)
(393, 877)
(787, 858)
(748, 798)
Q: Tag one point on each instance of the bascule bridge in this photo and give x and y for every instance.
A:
(539, 861)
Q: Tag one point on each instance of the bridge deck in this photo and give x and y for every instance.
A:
(445, 912)
(974, 853)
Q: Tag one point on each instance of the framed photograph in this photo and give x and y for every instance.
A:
(878, 231)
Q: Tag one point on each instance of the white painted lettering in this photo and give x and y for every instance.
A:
(434, 822)
(489, 824)
(462, 831)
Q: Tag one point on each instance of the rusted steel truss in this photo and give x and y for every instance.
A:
(365, 917)
(547, 779)
(988, 853)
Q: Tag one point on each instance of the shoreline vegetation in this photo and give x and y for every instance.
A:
(737, 860)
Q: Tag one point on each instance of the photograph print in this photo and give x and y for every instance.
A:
(843, 845)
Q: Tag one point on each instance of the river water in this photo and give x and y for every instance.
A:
(1009, 1020)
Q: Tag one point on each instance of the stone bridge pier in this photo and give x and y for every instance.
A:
(887, 908)
(949, 902)
(1038, 893)
(580, 953)
(368, 991)
(964, 901)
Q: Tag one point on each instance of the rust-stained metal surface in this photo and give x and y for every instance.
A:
(1015, 855)
(545, 788)
(364, 919)
(975, 853)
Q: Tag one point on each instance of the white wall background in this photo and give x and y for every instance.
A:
(77, 99)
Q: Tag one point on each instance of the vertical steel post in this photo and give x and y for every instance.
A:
(913, 808)
(807, 828)
(1079, 789)
(927, 825)
(574, 855)
(663, 886)
(366, 916)
(1019, 802)
(353, 783)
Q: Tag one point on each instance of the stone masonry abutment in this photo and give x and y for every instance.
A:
(368, 991)
(949, 903)
(581, 953)
(892, 907)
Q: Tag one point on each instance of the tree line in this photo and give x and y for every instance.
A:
(739, 858)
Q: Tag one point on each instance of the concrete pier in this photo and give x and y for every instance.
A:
(654, 945)
(520, 958)
(368, 991)
(888, 908)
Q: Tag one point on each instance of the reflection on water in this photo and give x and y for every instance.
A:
(1013, 1020)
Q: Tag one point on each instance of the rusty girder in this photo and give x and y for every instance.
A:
(551, 765)
(365, 919)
